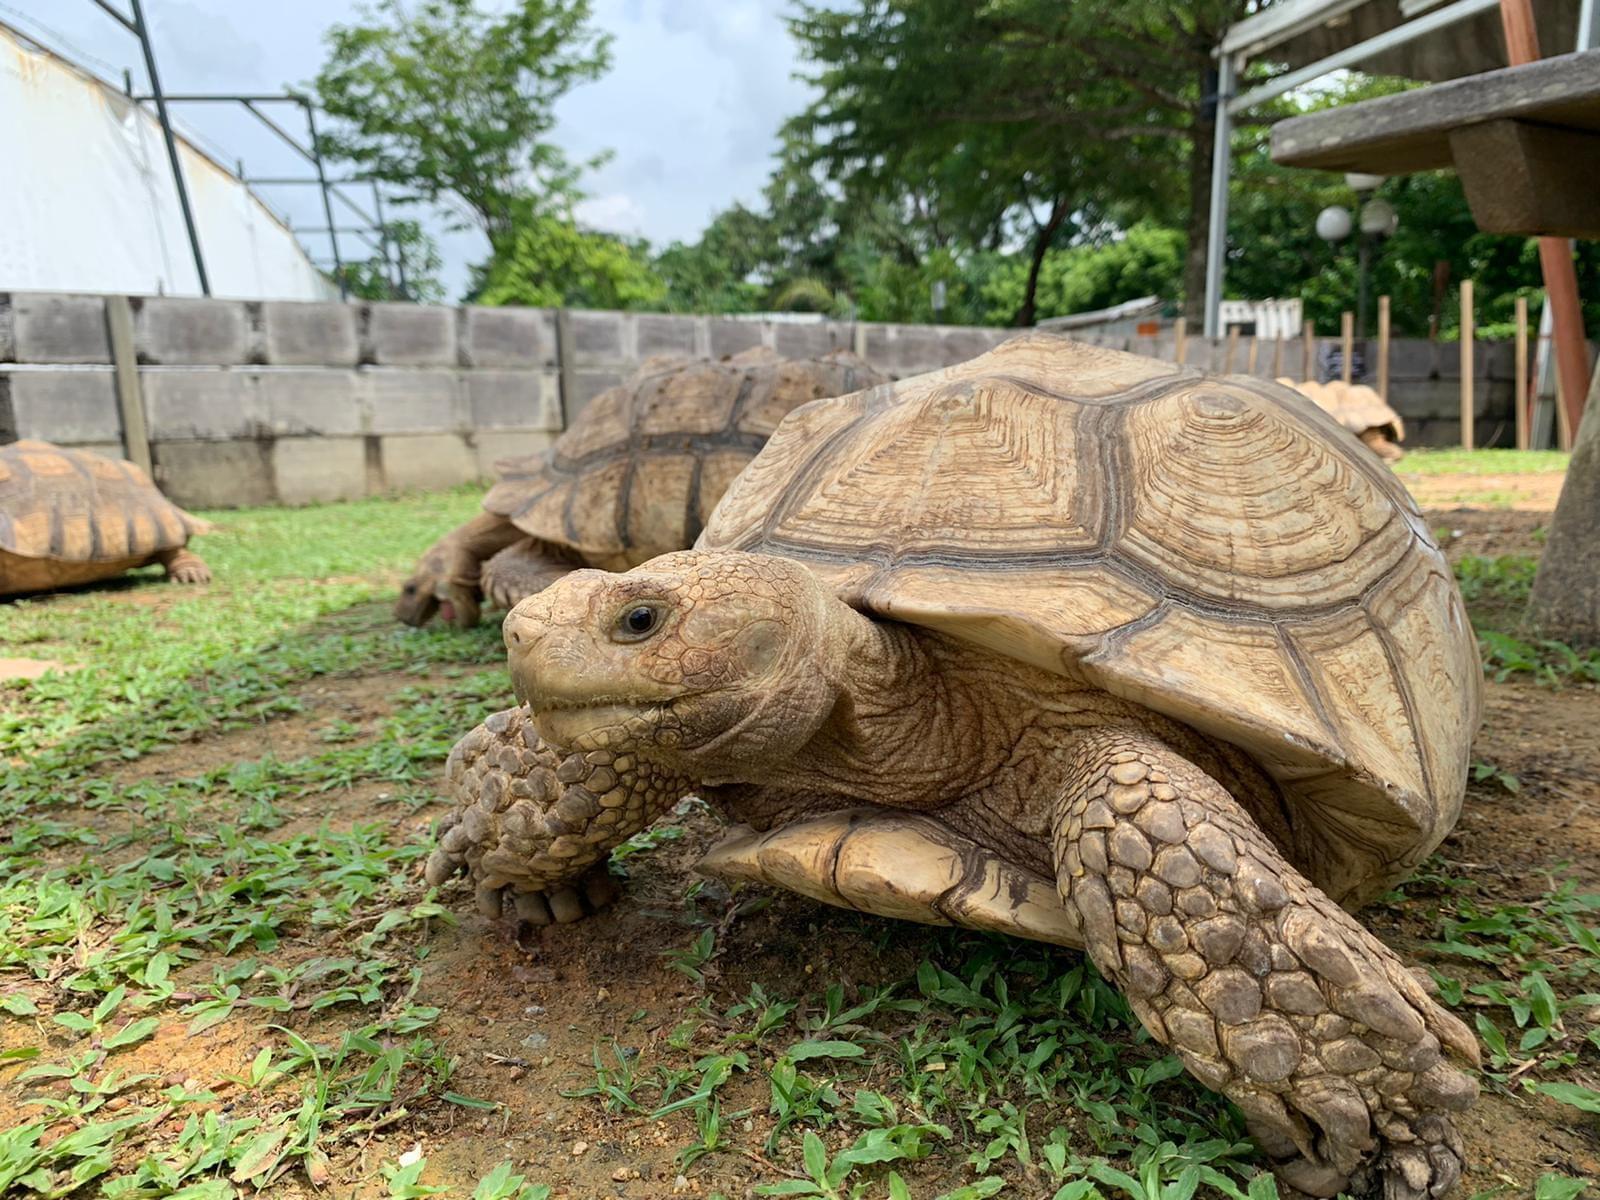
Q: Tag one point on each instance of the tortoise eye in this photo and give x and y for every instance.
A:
(638, 622)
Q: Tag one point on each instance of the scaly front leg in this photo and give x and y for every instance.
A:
(541, 823)
(1268, 990)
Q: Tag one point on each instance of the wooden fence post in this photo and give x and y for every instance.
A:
(1383, 348)
(1521, 381)
(1347, 341)
(1466, 365)
(130, 395)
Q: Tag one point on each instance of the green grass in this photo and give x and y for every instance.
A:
(1433, 461)
(138, 911)
(1496, 591)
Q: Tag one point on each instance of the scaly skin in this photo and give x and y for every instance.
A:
(1269, 992)
(748, 681)
(522, 569)
(183, 566)
(539, 825)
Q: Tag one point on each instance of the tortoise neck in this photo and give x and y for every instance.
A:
(920, 720)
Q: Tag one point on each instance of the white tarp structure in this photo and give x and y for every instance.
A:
(87, 201)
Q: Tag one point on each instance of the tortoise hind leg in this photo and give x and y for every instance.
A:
(521, 569)
(183, 566)
(1268, 990)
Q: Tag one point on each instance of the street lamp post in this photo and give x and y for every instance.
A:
(1376, 220)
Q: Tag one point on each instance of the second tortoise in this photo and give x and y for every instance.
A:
(635, 475)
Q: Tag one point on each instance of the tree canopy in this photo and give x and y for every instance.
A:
(453, 104)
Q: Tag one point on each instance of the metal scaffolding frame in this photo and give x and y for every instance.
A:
(1250, 38)
(373, 229)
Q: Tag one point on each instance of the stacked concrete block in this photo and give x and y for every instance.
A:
(180, 332)
(508, 337)
(310, 335)
(409, 335)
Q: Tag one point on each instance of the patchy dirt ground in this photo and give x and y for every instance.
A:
(524, 1014)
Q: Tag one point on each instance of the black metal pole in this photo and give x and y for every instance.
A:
(143, 32)
(327, 204)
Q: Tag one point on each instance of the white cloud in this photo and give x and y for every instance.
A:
(615, 212)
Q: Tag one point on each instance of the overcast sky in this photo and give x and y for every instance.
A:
(690, 109)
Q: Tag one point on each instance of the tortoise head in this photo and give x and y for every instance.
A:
(432, 589)
(705, 661)
(416, 604)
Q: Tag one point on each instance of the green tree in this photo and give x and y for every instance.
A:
(1146, 261)
(727, 270)
(550, 262)
(449, 102)
(1040, 120)
(413, 256)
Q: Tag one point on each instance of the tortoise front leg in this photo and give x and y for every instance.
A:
(183, 566)
(1268, 990)
(522, 569)
(539, 824)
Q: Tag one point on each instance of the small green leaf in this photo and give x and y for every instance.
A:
(76, 1022)
(815, 1155)
(801, 1051)
(1558, 1187)
(19, 1005)
(133, 1031)
(469, 1101)
(1574, 1094)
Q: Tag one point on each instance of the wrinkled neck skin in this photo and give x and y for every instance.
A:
(917, 721)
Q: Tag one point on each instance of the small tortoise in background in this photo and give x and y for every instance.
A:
(634, 476)
(1360, 410)
(1061, 642)
(69, 517)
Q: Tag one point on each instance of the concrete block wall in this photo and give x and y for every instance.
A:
(287, 403)
(252, 403)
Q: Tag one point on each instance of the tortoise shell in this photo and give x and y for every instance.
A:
(1355, 406)
(76, 507)
(1214, 549)
(643, 464)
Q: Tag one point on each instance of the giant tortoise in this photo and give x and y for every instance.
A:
(1062, 642)
(69, 517)
(635, 475)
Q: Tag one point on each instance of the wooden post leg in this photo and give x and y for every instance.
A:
(1466, 365)
(1308, 352)
(1347, 339)
(1555, 253)
(1521, 380)
(1180, 333)
(1383, 348)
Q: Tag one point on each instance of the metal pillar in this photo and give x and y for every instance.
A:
(327, 204)
(1221, 168)
(1588, 24)
(142, 32)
